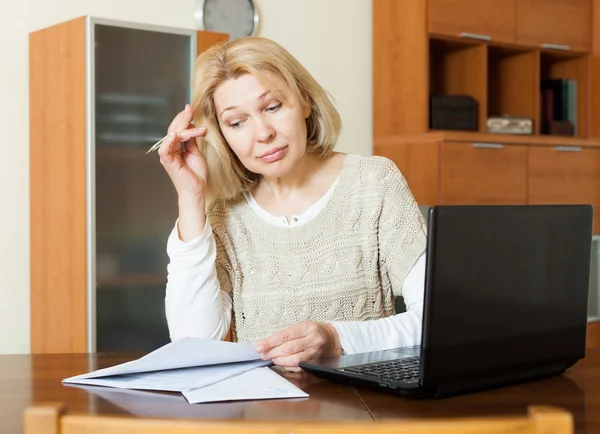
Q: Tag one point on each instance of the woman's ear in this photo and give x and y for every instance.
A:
(307, 105)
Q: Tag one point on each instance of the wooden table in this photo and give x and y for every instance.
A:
(29, 379)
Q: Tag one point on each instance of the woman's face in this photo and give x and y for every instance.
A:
(266, 134)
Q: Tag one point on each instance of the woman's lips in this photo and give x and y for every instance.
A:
(274, 154)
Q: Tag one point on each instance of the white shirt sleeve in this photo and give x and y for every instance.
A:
(400, 330)
(194, 303)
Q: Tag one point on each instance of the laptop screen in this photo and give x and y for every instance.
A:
(507, 286)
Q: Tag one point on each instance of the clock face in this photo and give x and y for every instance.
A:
(236, 17)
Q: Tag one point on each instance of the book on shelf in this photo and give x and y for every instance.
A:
(559, 106)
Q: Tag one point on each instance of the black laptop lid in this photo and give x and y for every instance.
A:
(507, 289)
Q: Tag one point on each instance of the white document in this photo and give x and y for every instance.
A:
(190, 365)
(183, 353)
(259, 383)
(172, 380)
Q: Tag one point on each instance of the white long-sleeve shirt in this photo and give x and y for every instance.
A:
(197, 306)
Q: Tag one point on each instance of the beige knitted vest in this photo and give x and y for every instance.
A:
(346, 264)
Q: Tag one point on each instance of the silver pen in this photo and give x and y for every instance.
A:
(157, 144)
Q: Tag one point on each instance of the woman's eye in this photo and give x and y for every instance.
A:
(236, 124)
(274, 108)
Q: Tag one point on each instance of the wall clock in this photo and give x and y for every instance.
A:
(238, 18)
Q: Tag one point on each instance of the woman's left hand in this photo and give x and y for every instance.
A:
(303, 341)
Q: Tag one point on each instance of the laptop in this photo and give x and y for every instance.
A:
(506, 293)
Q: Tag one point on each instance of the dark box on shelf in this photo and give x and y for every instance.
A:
(453, 112)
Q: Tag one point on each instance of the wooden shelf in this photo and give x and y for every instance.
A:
(512, 83)
(574, 67)
(494, 51)
(506, 79)
(459, 68)
(572, 52)
(465, 136)
(501, 53)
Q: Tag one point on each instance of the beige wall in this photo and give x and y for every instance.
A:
(332, 38)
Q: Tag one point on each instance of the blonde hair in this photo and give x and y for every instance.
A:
(265, 60)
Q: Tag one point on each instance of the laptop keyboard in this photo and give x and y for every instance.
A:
(395, 370)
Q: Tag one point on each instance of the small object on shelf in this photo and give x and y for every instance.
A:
(561, 128)
(509, 125)
(559, 106)
(453, 112)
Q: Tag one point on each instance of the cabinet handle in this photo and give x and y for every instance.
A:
(475, 36)
(488, 145)
(556, 47)
(568, 148)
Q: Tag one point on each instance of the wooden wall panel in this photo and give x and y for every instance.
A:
(57, 188)
(400, 62)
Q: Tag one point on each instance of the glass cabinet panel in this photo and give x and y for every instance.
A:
(142, 80)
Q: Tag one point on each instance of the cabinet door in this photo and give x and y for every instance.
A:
(486, 19)
(565, 174)
(556, 22)
(482, 173)
(134, 202)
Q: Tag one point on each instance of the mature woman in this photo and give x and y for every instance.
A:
(289, 245)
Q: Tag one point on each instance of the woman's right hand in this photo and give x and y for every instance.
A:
(186, 168)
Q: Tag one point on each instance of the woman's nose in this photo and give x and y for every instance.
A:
(265, 130)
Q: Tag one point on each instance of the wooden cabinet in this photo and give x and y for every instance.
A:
(481, 19)
(559, 23)
(450, 168)
(564, 23)
(482, 173)
(515, 45)
(565, 174)
(98, 214)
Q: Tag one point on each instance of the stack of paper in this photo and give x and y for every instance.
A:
(203, 370)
